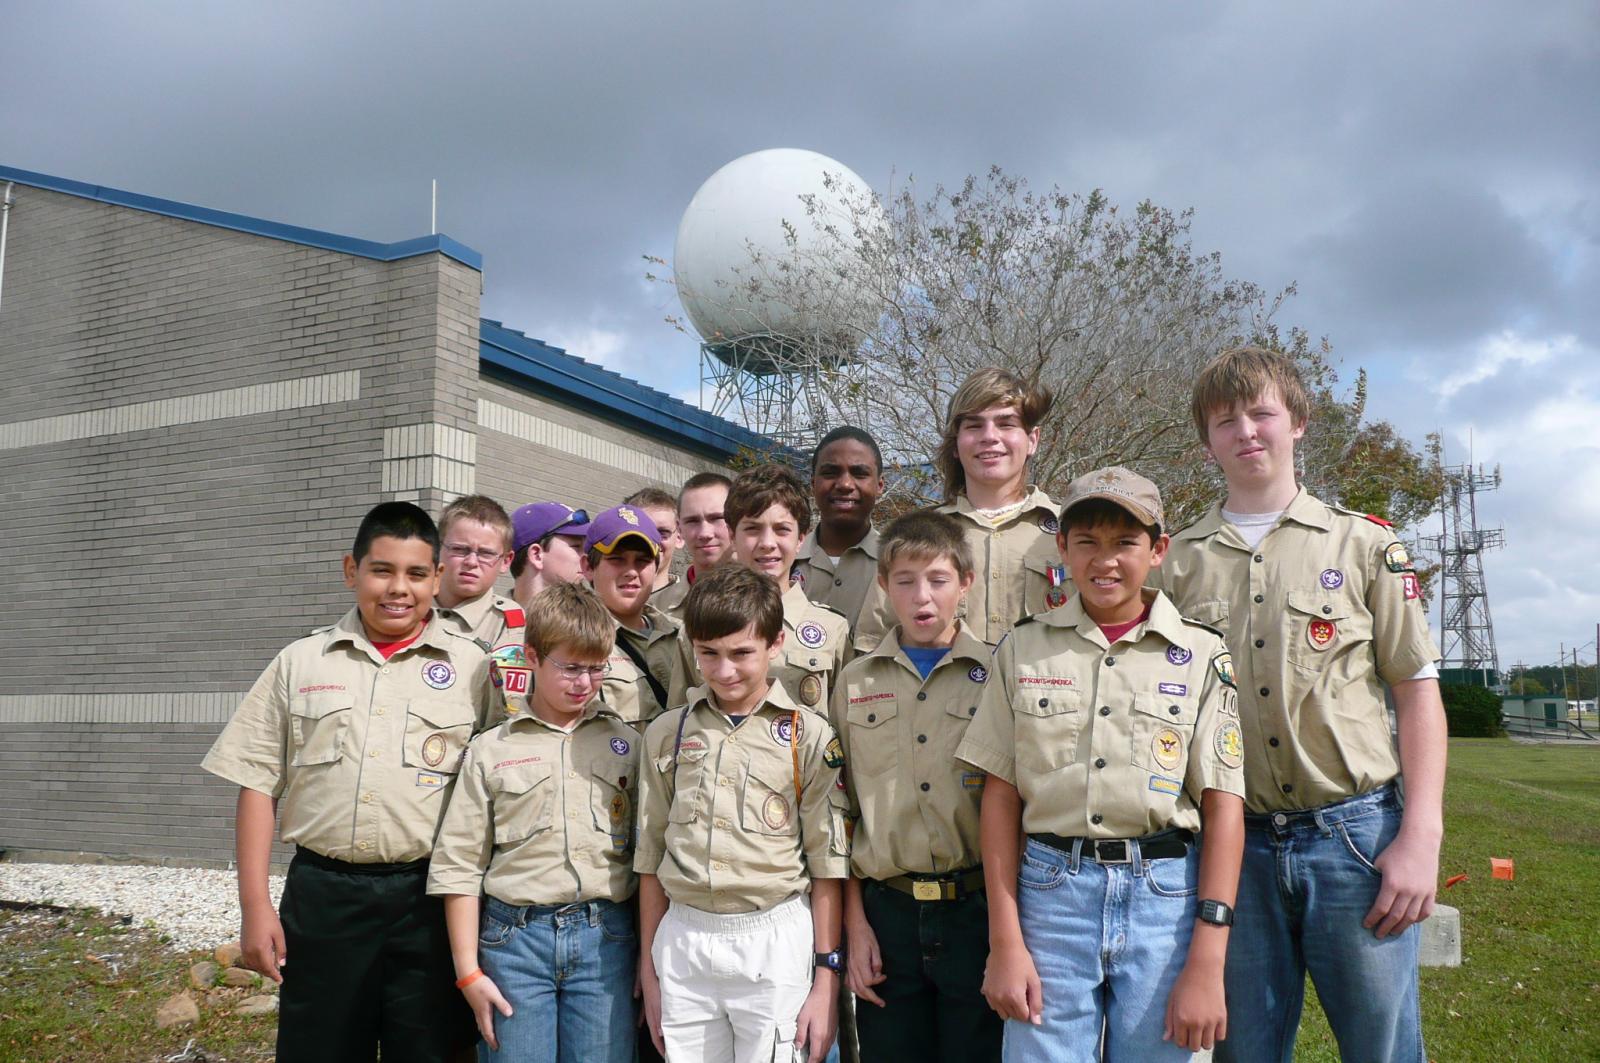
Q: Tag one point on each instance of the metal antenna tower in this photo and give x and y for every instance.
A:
(1468, 632)
(776, 386)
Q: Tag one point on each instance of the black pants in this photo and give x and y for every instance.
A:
(933, 958)
(368, 965)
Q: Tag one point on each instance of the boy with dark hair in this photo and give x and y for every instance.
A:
(356, 732)
(546, 547)
(1322, 611)
(669, 588)
(741, 846)
(1110, 736)
(548, 965)
(916, 923)
(475, 544)
(837, 563)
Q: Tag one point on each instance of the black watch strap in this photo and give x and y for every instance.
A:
(1216, 913)
(833, 961)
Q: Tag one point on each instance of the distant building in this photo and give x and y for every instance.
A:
(197, 409)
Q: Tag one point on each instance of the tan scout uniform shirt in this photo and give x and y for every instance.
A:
(625, 689)
(1109, 741)
(721, 827)
(918, 805)
(669, 599)
(1322, 609)
(359, 752)
(847, 585)
(493, 619)
(541, 816)
(1012, 561)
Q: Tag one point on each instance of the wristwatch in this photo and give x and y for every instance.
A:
(833, 961)
(1216, 913)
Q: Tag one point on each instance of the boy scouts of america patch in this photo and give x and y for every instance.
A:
(438, 674)
(810, 690)
(811, 634)
(1413, 589)
(1179, 655)
(775, 811)
(1229, 744)
(978, 674)
(1049, 525)
(1167, 748)
(833, 754)
(619, 746)
(1321, 633)
(1331, 578)
(1396, 559)
(433, 748)
(1222, 662)
(783, 728)
(1056, 596)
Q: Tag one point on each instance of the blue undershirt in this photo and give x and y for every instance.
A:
(925, 659)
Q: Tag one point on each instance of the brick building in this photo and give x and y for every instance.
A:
(197, 409)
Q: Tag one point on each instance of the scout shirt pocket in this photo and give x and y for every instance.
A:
(437, 735)
(872, 743)
(319, 724)
(1161, 736)
(687, 780)
(805, 673)
(1321, 625)
(769, 803)
(1213, 613)
(524, 801)
(1047, 721)
(611, 789)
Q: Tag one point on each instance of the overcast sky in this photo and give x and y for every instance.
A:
(1428, 173)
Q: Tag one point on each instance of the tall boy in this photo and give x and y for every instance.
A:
(1110, 736)
(546, 547)
(620, 559)
(703, 525)
(669, 588)
(837, 563)
(356, 732)
(916, 924)
(475, 543)
(1322, 611)
(541, 826)
(741, 847)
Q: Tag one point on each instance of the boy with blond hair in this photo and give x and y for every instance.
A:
(475, 545)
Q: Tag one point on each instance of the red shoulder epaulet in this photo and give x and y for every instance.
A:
(1378, 520)
(515, 617)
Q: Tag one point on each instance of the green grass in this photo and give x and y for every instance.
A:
(1528, 988)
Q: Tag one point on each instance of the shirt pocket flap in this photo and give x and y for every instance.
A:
(769, 803)
(872, 710)
(1212, 614)
(1167, 708)
(516, 781)
(437, 734)
(320, 722)
(1318, 604)
(1040, 564)
(523, 800)
(1048, 701)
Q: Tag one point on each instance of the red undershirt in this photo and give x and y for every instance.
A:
(1113, 632)
(389, 649)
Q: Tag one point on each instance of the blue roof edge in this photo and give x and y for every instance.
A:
(349, 245)
(552, 369)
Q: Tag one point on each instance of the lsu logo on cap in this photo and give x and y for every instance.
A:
(628, 515)
(438, 674)
(811, 635)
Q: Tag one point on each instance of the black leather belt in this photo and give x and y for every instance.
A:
(951, 887)
(328, 863)
(1167, 843)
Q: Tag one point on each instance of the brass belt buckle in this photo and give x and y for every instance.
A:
(926, 891)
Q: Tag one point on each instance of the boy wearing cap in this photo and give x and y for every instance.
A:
(356, 732)
(837, 563)
(620, 559)
(1323, 611)
(916, 923)
(741, 847)
(541, 825)
(669, 588)
(476, 540)
(546, 547)
(1110, 735)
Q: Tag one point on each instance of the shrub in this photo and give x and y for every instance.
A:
(1472, 711)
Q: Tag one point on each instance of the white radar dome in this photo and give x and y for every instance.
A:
(739, 216)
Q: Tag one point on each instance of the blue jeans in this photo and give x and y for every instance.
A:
(567, 973)
(1307, 883)
(1109, 941)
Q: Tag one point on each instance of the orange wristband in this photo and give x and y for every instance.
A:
(468, 978)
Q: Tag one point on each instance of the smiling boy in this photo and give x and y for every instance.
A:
(837, 563)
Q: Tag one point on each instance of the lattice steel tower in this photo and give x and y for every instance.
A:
(1467, 630)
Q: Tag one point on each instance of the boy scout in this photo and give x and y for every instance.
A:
(546, 547)
(356, 732)
(741, 847)
(990, 433)
(837, 563)
(916, 925)
(1322, 611)
(620, 558)
(669, 588)
(541, 824)
(475, 537)
(1110, 735)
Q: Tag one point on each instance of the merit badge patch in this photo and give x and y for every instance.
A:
(811, 634)
(1049, 525)
(1396, 559)
(620, 746)
(433, 748)
(1229, 744)
(1223, 664)
(978, 674)
(438, 674)
(833, 754)
(430, 780)
(1162, 785)
(783, 728)
(1055, 598)
(972, 780)
(1331, 578)
(1176, 689)
(1321, 633)
(1413, 589)
(1166, 746)
(775, 811)
(810, 690)
(1179, 655)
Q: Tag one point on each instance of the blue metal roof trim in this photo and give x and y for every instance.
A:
(553, 369)
(349, 245)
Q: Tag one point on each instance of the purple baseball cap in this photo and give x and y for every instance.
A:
(608, 530)
(540, 520)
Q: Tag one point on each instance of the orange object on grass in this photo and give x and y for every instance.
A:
(1499, 868)
(1453, 879)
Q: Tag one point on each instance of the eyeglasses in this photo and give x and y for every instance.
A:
(460, 552)
(571, 673)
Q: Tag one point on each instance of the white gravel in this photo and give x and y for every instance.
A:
(196, 908)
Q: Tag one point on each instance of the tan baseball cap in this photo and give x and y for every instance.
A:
(1124, 487)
